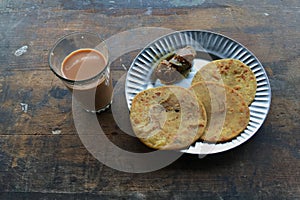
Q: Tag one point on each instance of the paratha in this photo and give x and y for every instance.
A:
(227, 112)
(167, 117)
(230, 72)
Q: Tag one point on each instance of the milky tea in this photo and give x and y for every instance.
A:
(82, 65)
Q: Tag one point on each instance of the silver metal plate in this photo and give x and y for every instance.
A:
(209, 46)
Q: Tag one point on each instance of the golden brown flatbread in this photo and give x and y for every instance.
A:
(167, 117)
(227, 112)
(230, 72)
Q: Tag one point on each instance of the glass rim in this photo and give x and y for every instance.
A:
(71, 81)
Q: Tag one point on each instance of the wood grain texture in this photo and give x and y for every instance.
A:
(37, 164)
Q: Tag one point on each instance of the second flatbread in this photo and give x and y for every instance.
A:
(230, 72)
(227, 112)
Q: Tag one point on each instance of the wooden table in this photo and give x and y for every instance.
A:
(41, 154)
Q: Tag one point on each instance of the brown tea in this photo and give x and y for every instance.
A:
(84, 64)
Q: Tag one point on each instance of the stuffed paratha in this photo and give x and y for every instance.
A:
(227, 112)
(167, 117)
(230, 72)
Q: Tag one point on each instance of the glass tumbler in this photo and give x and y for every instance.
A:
(81, 61)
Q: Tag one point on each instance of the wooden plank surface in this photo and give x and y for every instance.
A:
(41, 155)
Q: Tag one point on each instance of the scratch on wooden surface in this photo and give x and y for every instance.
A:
(56, 132)
(220, 197)
(149, 11)
(16, 24)
(14, 162)
(138, 195)
(24, 107)
(124, 67)
(21, 50)
(178, 3)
